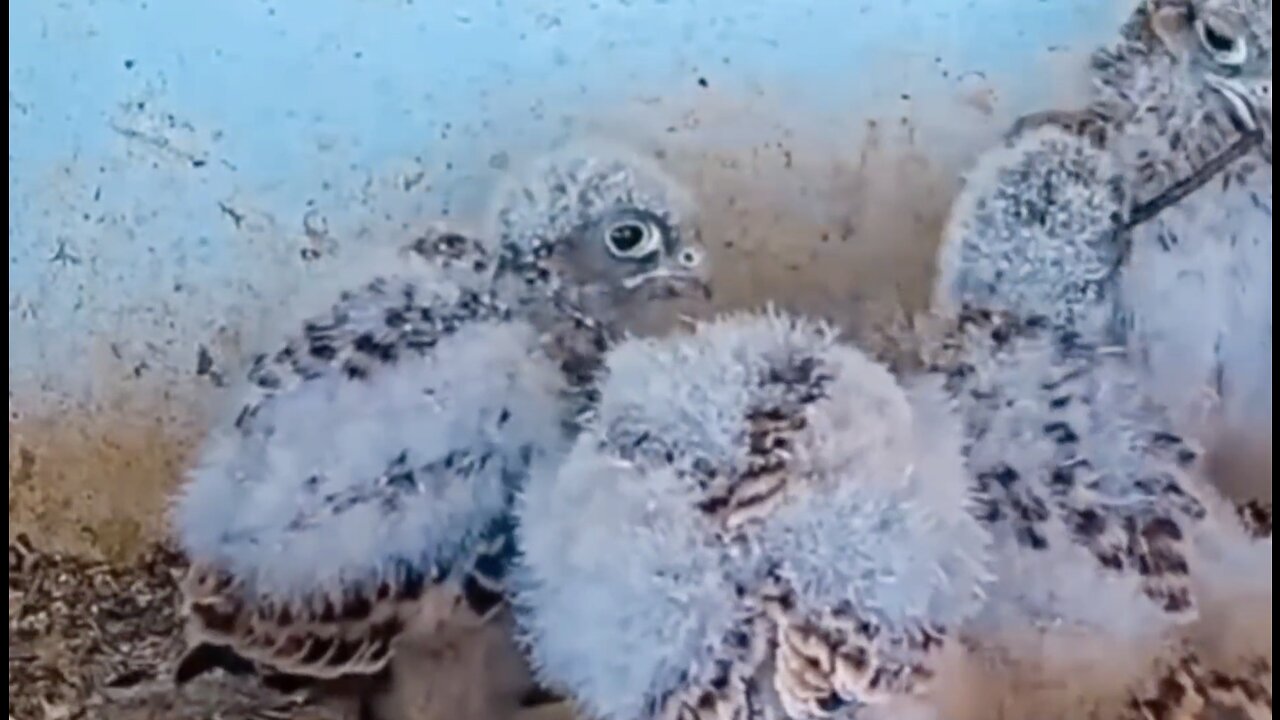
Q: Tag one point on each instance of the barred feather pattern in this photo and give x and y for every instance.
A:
(780, 663)
(1189, 689)
(1059, 433)
(845, 657)
(343, 635)
(732, 501)
(736, 689)
(317, 637)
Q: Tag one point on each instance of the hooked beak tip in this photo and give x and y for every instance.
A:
(697, 282)
(1242, 110)
(695, 286)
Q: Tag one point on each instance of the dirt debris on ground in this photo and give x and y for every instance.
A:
(92, 639)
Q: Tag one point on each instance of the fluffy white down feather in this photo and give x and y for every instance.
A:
(625, 586)
(1033, 232)
(252, 505)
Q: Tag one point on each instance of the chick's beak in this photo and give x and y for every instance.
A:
(1244, 110)
(701, 286)
(676, 281)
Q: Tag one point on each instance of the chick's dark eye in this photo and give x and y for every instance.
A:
(1226, 47)
(1217, 41)
(626, 237)
(632, 239)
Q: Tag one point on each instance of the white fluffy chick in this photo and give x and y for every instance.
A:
(610, 238)
(359, 493)
(1196, 285)
(756, 522)
(1110, 550)
(1189, 81)
(1062, 435)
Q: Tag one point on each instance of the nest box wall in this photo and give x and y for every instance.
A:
(178, 170)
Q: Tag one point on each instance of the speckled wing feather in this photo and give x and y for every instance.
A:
(387, 318)
(325, 638)
(329, 637)
(1192, 688)
(1059, 432)
(306, 612)
(736, 689)
(1188, 690)
(842, 657)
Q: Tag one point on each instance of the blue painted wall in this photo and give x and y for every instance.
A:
(178, 168)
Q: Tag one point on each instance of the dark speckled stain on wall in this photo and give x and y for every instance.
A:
(851, 240)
